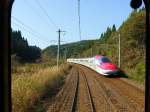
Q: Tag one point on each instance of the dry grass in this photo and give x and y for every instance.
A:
(26, 89)
(29, 68)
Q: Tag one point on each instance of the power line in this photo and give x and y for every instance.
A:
(18, 21)
(35, 35)
(79, 19)
(44, 11)
(36, 12)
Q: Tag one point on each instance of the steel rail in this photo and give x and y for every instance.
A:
(89, 93)
(75, 95)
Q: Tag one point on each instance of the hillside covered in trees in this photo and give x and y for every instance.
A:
(21, 49)
(132, 34)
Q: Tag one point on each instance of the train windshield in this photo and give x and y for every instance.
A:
(104, 60)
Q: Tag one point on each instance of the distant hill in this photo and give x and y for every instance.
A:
(69, 50)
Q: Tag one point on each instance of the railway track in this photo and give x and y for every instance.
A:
(123, 96)
(87, 91)
(75, 95)
(64, 101)
(84, 98)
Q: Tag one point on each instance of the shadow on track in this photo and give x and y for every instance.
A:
(119, 74)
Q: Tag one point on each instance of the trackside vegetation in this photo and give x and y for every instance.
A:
(28, 87)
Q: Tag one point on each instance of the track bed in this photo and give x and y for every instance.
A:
(87, 91)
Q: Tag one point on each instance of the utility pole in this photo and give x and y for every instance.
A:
(119, 52)
(58, 50)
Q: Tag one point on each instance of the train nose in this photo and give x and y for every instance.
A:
(112, 67)
(109, 66)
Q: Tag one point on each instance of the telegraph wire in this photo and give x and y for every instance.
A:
(30, 6)
(33, 34)
(44, 11)
(18, 21)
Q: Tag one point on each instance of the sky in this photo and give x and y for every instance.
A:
(39, 20)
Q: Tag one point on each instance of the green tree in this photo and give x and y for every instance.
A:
(113, 28)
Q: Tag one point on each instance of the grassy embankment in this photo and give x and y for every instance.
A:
(30, 83)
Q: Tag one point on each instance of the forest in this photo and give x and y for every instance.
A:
(21, 49)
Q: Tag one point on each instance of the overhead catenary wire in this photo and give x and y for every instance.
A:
(32, 33)
(36, 12)
(44, 11)
(20, 22)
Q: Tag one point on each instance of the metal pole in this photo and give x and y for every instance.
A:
(79, 19)
(58, 48)
(119, 53)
